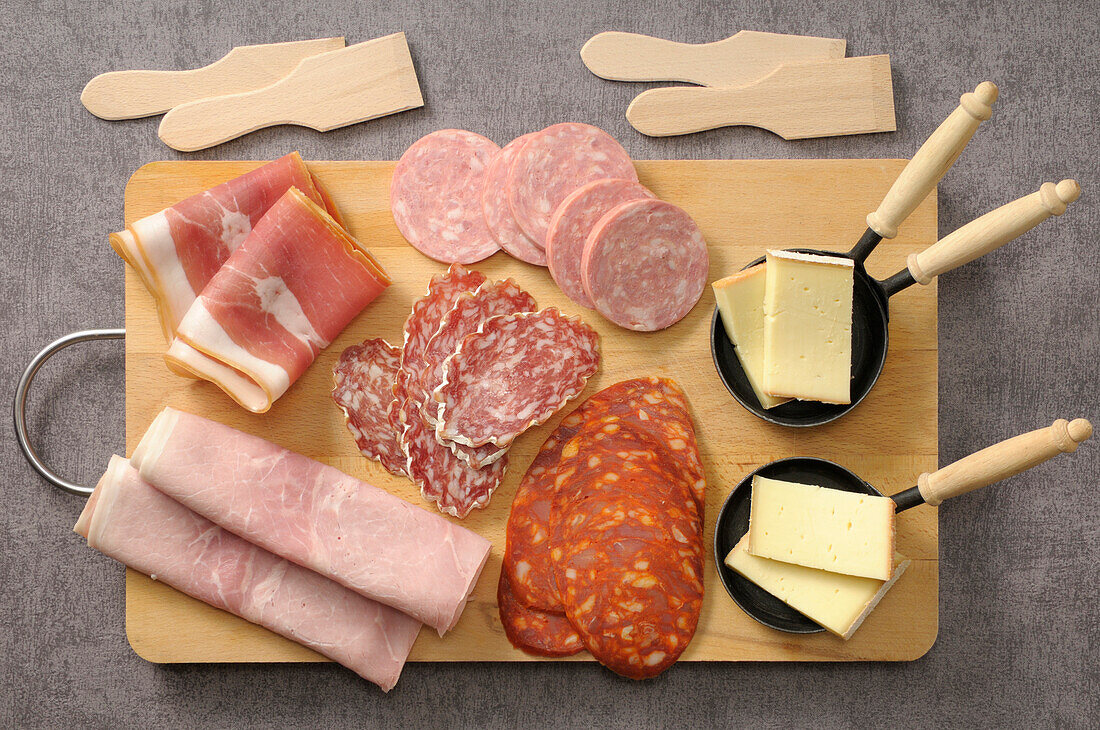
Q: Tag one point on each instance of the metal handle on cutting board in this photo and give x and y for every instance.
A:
(20, 405)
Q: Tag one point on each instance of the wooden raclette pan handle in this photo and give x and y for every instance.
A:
(992, 230)
(1000, 461)
(933, 160)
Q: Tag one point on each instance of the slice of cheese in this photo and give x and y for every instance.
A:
(842, 532)
(837, 602)
(741, 305)
(808, 327)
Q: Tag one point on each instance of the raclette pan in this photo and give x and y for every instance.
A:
(992, 464)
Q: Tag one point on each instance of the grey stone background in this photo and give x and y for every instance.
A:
(1019, 344)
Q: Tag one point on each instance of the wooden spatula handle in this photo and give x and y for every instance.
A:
(739, 59)
(131, 94)
(933, 160)
(208, 122)
(992, 230)
(1000, 461)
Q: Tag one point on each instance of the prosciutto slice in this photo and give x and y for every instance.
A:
(178, 250)
(282, 297)
(130, 521)
(316, 516)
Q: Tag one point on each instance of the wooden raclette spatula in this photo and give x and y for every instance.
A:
(140, 93)
(796, 101)
(740, 59)
(326, 91)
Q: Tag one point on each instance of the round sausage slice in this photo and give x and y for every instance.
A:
(498, 214)
(554, 163)
(435, 196)
(573, 221)
(645, 265)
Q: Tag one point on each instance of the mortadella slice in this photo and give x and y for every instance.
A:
(281, 298)
(435, 196)
(645, 265)
(571, 223)
(315, 515)
(179, 249)
(130, 521)
(554, 163)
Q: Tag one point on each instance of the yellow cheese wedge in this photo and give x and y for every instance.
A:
(808, 327)
(842, 532)
(741, 305)
(837, 602)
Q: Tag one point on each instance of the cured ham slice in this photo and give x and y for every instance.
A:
(178, 250)
(282, 297)
(316, 516)
(130, 521)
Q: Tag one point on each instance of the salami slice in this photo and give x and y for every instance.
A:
(514, 373)
(423, 321)
(363, 388)
(554, 163)
(498, 214)
(655, 404)
(571, 223)
(536, 632)
(613, 475)
(443, 478)
(635, 603)
(435, 196)
(645, 265)
(469, 312)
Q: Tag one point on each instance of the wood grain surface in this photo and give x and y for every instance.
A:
(742, 207)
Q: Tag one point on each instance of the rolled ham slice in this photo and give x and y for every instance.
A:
(316, 516)
(130, 521)
(178, 250)
(281, 298)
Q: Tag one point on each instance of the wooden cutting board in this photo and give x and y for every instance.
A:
(742, 207)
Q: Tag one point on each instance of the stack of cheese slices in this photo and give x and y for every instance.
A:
(826, 553)
(790, 320)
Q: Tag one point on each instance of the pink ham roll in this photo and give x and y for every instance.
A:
(130, 521)
(178, 250)
(316, 516)
(282, 297)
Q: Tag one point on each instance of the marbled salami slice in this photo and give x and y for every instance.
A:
(498, 214)
(514, 373)
(423, 321)
(363, 388)
(469, 312)
(435, 196)
(554, 163)
(542, 633)
(571, 223)
(645, 265)
(443, 478)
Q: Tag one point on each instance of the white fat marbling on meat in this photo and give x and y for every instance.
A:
(161, 263)
(277, 300)
(265, 381)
